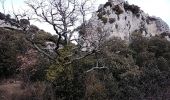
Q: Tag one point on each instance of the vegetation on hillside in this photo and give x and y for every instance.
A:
(111, 69)
(138, 70)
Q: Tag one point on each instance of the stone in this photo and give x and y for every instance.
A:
(50, 46)
(130, 20)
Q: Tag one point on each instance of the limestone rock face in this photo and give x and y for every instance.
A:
(116, 2)
(6, 24)
(121, 19)
(50, 46)
(10, 23)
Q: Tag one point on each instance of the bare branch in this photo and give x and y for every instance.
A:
(79, 58)
(61, 15)
(43, 51)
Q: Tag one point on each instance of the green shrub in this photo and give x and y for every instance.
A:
(100, 15)
(133, 8)
(8, 62)
(138, 43)
(2, 16)
(9, 49)
(69, 78)
(41, 37)
(104, 20)
(159, 46)
(55, 70)
(162, 64)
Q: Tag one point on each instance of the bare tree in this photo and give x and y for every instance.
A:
(86, 7)
(62, 15)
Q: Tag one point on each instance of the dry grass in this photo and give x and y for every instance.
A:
(18, 90)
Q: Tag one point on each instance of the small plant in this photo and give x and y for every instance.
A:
(100, 10)
(118, 10)
(116, 26)
(108, 4)
(33, 29)
(2, 16)
(104, 19)
(24, 23)
(111, 20)
(108, 12)
(104, 13)
(125, 17)
(100, 15)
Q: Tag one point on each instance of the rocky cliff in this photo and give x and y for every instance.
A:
(117, 18)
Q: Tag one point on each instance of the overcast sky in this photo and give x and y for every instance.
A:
(159, 8)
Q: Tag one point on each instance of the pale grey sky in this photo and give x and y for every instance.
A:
(159, 8)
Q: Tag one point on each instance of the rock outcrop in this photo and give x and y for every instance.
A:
(14, 24)
(120, 19)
